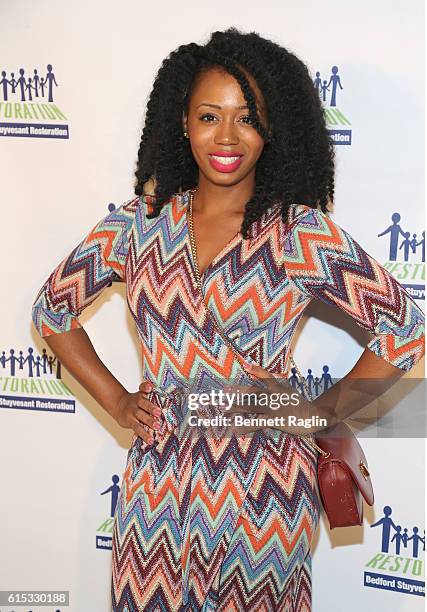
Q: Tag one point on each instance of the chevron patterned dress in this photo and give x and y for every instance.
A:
(222, 523)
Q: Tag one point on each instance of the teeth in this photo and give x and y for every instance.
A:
(225, 160)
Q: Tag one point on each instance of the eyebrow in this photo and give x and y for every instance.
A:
(216, 105)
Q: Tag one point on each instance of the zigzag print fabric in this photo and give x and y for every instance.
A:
(222, 523)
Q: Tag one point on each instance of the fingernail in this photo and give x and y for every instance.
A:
(150, 440)
(156, 425)
(157, 411)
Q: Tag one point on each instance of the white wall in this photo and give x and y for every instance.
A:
(105, 54)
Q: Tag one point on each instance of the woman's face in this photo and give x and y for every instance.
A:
(224, 144)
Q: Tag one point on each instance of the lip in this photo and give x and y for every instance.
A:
(217, 165)
(227, 154)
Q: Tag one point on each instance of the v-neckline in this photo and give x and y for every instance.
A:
(212, 263)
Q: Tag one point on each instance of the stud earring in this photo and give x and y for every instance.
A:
(185, 134)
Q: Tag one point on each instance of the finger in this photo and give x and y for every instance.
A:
(270, 379)
(147, 419)
(282, 376)
(262, 374)
(229, 390)
(247, 409)
(150, 407)
(146, 386)
(267, 377)
(258, 371)
(140, 431)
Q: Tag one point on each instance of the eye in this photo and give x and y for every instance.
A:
(207, 117)
(247, 119)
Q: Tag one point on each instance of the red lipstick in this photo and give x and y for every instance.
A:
(230, 161)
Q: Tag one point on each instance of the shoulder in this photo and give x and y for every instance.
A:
(116, 224)
(308, 229)
(144, 203)
(127, 211)
(296, 211)
(312, 230)
(302, 217)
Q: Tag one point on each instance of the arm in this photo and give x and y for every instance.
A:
(328, 264)
(75, 351)
(74, 284)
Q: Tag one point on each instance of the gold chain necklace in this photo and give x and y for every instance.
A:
(197, 274)
(192, 240)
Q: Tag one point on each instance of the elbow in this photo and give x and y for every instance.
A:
(415, 351)
(38, 319)
(418, 341)
(48, 322)
(44, 319)
(36, 314)
(403, 353)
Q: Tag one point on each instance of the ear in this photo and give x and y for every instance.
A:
(150, 186)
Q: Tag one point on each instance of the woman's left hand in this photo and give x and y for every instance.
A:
(277, 399)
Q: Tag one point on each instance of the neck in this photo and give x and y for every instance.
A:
(213, 200)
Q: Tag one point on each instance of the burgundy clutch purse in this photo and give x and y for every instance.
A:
(343, 476)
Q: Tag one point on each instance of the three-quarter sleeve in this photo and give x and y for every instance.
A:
(97, 261)
(325, 262)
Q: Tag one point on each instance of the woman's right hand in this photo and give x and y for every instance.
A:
(135, 412)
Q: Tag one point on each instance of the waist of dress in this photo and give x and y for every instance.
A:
(182, 391)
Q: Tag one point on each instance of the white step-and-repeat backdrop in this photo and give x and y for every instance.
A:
(68, 149)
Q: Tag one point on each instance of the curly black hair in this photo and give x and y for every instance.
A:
(297, 162)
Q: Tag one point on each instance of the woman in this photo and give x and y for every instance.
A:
(243, 171)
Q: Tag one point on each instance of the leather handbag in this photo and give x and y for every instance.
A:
(342, 471)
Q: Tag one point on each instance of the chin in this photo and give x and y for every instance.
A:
(223, 178)
(226, 181)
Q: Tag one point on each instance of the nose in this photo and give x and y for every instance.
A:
(226, 133)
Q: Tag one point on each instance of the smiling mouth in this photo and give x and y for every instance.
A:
(225, 160)
(224, 163)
